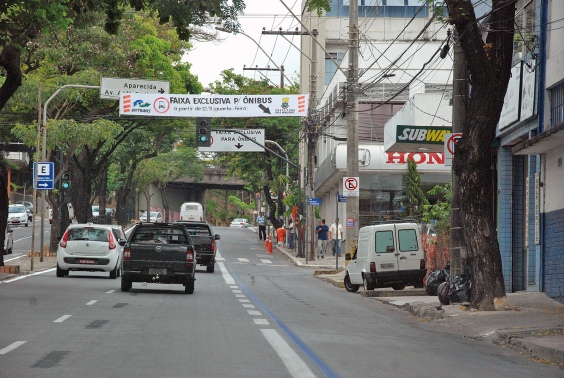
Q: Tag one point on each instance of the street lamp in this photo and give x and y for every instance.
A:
(261, 49)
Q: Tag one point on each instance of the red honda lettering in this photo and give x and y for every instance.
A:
(436, 158)
(399, 156)
(422, 157)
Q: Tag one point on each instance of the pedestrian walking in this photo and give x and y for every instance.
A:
(262, 226)
(292, 232)
(281, 232)
(336, 235)
(321, 231)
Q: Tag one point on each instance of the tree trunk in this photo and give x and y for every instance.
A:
(164, 198)
(102, 193)
(82, 188)
(52, 201)
(4, 202)
(272, 207)
(489, 65)
(10, 61)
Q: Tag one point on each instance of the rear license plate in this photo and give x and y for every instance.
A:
(386, 266)
(157, 271)
(86, 261)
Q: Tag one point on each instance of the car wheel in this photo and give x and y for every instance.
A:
(211, 268)
(367, 286)
(61, 272)
(351, 288)
(398, 286)
(114, 273)
(125, 284)
(189, 287)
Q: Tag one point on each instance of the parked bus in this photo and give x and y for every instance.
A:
(192, 211)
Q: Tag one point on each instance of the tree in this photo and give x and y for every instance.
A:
(415, 200)
(271, 177)
(23, 22)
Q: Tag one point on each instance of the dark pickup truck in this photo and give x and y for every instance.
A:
(159, 253)
(203, 237)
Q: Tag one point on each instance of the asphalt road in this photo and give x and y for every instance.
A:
(22, 238)
(256, 316)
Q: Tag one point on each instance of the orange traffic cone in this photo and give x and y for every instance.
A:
(266, 242)
(269, 249)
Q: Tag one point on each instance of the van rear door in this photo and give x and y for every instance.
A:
(409, 247)
(385, 249)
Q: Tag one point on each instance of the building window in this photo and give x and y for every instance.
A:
(380, 8)
(330, 67)
(557, 105)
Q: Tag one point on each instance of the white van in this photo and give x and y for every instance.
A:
(192, 211)
(388, 254)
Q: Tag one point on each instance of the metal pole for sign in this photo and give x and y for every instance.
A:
(336, 246)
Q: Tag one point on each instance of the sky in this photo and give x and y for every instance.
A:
(235, 51)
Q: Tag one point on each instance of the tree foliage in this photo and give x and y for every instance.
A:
(415, 201)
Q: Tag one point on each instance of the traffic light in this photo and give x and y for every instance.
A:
(203, 132)
(65, 187)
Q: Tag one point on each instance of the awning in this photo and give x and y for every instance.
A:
(542, 143)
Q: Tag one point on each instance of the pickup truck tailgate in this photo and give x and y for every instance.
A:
(145, 256)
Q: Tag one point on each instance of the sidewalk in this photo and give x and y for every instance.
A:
(25, 264)
(532, 321)
(329, 263)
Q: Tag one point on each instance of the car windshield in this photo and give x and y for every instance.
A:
(154, 235)
(88, 233)
(198, 231)
(16, 209)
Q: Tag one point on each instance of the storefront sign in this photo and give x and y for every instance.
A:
(528, 83)
(421, 134)
(510, 110)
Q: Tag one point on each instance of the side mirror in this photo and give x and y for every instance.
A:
(347, 256)
(217, 237)
(390, 249)
(122, 242)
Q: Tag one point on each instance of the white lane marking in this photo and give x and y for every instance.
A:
(62, 319)
(241, 259)
(12, 346)
(249, 306)
(274, 265)
(244, 300)
(266, 261)
(226, 276)
(239, 295)
(237, 291)
(15, 258)
(92, 302)
(254, 313)
(234, 287)
(295, 365)
(109, 292)
(261, 321)
(29, 275)
(218, 256)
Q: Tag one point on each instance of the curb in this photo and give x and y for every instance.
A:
(428, 311)
(330, 280)
(299, 264)
(518, 338)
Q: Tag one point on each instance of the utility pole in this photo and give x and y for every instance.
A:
(312, 137)
(269, 69)
(352, 125)
(460, 93)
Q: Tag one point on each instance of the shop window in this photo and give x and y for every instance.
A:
(557, 105)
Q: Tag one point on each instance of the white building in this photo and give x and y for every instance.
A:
(395, 69)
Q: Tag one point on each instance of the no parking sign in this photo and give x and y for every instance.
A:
(350, 186)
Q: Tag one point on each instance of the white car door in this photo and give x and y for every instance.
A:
(409, 247)
(385, 250)
(355, 265)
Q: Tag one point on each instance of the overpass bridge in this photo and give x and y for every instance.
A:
(185, 189)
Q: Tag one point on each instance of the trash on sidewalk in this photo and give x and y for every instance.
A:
(443, 292)
(435, 278)
(460, 289)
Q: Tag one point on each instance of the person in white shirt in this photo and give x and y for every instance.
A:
(336, 235)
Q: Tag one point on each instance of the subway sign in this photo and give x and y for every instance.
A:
(422, 134)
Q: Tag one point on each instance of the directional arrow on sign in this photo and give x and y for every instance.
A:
(239, 145)
(43, 185)
(264, 109)
(161, 91)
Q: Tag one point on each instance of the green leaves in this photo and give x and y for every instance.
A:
(318, 6)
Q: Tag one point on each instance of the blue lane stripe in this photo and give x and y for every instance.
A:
(322, 366)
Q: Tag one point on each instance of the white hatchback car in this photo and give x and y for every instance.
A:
(240, 222)
(91, 248)
(156, 217)
(17, 215)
